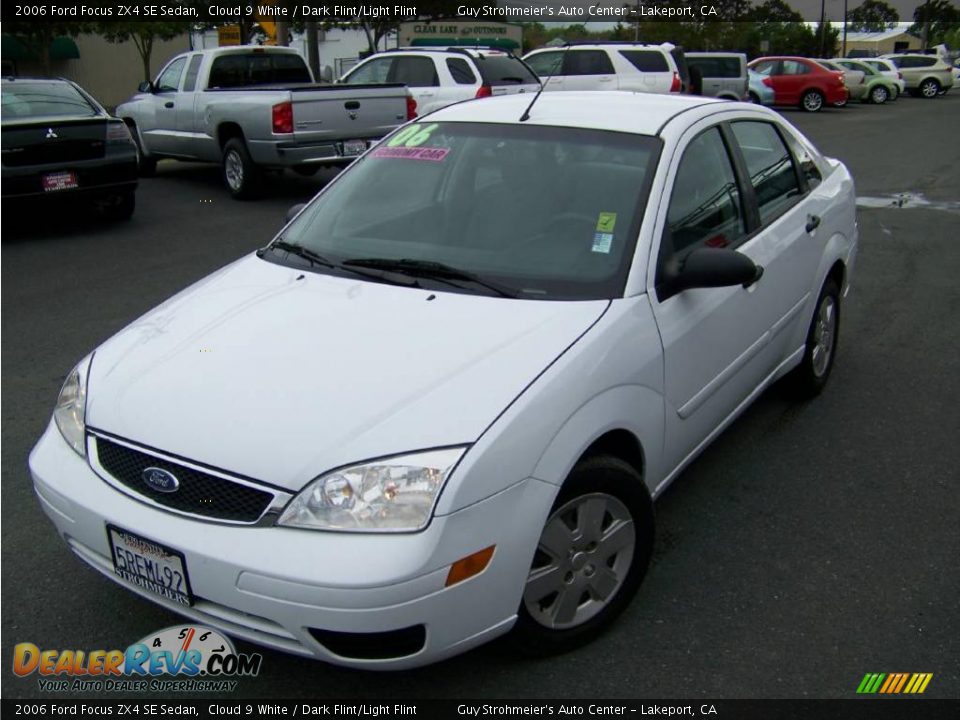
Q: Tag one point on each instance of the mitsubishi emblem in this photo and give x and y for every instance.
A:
(51, 133)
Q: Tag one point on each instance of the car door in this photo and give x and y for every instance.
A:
(713, 338)
(189, 127)
(161, 135)
(588, 70)
(793, 78)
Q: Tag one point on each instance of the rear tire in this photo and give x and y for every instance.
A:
(929, 88)
(241, 176)
(812, 101)
(879, 95)
(809, 378)
(593, 553)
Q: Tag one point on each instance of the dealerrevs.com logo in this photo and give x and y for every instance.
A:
(182, 658)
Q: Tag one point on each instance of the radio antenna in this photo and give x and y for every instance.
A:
(543, 85)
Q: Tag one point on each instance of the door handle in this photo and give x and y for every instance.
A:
(168, 104)
(813, 222)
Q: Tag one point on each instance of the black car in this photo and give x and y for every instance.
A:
(60, 144)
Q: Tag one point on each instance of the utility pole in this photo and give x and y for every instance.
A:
(636, 28)
(823, 20)
(313, 49)
(926, 24)
(844, 53)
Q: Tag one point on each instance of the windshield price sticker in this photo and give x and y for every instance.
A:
(412, 135)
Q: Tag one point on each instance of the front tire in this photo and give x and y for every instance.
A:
(240, 174)
(810, 377)
(812, 101)
(592, 555)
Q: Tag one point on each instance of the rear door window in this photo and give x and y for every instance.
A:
(587, 62)
(646, 60)
(794, 67)
(770, 168)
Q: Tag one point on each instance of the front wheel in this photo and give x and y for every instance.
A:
(592, 555)
(812, 101)
(240, 174)
(810, 377)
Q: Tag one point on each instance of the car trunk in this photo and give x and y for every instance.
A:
(54, 141)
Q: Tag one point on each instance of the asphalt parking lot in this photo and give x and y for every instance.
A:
(811, 544)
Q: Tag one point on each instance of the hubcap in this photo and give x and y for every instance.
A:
(879, 95)
(233, 169)
(812, 101)
(929, 89)
(581, 562)
(824, 335)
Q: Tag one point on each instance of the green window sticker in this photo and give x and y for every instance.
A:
(606, 222)
(412, 135)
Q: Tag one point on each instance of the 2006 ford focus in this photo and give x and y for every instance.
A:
(437, 407)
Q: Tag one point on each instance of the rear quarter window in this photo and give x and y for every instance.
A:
(460, 71)
(646, 60)
(504, 70)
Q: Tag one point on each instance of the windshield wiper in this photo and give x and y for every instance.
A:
(300, 251)
(315, 258)
(432, 270)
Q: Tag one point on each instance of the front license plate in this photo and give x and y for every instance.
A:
(354, 147)
(64, 180)
(149, 565)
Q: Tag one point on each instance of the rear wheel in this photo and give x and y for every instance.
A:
(879, 95)
(241, 175)
(929, 88)
(812, 101)
(592, 555)
(810, 377)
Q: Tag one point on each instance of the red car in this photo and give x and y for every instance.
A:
(801, 81)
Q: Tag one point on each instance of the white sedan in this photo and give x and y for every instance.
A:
(438, 406)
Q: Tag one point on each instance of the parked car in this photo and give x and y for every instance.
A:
(853, 80)
(924, 75)
(437, 77)
(956, 73)
(251, 108)
(888, 70)
(400, 497)
(60, 144)
(877, 88)
(720, 75)
(636, 67)
(760, 88)
(802, 81)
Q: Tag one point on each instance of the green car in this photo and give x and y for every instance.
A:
(880, 88)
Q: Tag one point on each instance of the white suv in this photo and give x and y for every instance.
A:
(437, 77)
(612, 66)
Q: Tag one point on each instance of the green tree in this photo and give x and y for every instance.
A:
(942, 16)
(873, 16)
(143, 35)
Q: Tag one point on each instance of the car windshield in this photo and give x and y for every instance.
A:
(24, 99)
(546, 212)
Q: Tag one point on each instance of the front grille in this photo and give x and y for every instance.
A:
(199, 493)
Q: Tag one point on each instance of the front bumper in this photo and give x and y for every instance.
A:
(271, 585)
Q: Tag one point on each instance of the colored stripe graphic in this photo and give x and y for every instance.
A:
(894, 683)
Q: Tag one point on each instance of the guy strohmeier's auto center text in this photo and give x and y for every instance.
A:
(225, 10)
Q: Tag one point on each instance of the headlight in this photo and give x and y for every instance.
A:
(69, 414)
(394, 494)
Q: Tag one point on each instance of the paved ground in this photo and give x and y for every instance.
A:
(811, 544)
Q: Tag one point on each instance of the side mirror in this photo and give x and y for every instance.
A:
(710, 267)
(145, 87)
(294, 211)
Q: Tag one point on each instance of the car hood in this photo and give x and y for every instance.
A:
(279, 375)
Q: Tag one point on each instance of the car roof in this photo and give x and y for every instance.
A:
(639, 113)
(615, 44)
(474, 52)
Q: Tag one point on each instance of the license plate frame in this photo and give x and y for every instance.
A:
(60, 180)
(352, 148)
(126, 546)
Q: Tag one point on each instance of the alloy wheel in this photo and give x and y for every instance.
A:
(233, 169)
(824, 335)
(581, 562)
(812, 102)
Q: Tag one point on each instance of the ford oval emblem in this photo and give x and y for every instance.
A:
(160, 480)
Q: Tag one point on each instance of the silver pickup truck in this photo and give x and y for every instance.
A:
(252, 108)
